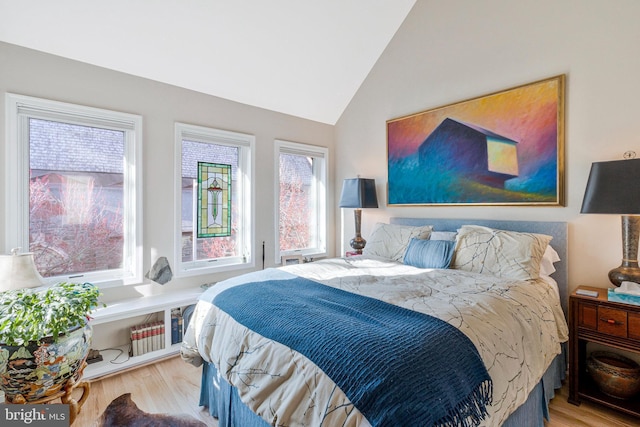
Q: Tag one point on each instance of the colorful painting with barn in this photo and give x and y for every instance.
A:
(503, 148)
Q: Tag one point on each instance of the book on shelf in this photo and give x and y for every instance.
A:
(176, 326)
(151, 343)
(162, 338)
(138, 343)
(134, 341)
(155, 334)
(147, 337)
(158, 333)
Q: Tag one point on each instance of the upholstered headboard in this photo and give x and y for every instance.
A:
(558, 230)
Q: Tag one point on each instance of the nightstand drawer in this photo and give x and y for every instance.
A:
(588, 316)
(634, 326)
(612, 321)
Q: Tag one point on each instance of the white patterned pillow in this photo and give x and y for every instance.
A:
(390, 240)
(510, 254)
(548, 259)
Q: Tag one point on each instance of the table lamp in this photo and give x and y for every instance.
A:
(614, 188)
(18, 271)
(358, 193)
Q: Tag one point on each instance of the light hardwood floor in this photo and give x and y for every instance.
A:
(172, 386)
(167, 386)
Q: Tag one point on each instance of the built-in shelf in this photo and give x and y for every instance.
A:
(117, 358)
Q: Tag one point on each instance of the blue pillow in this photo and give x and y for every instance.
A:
(429, 253)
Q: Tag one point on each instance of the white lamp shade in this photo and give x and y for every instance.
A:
(18, 271)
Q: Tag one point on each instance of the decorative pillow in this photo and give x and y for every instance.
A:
(546, 263)
(390, 240)
(443, 235)
(429, 253)
(503, 253)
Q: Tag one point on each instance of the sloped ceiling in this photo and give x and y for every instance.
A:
(306, 58)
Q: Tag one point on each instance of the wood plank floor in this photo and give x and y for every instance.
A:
(167, 386)
(172, 386)
(564, 414)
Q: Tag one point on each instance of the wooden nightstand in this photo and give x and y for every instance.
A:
(598, 320)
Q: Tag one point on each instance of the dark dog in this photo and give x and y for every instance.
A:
(123, 412)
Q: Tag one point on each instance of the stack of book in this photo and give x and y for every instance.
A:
(147, 337)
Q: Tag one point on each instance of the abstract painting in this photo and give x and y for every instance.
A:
(214, 200)
(506, 148)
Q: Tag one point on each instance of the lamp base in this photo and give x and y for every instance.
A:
(627, 272)
(358, 243)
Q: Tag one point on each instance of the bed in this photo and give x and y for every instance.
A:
(486, 343)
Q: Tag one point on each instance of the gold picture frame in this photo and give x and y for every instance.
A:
(505, 148)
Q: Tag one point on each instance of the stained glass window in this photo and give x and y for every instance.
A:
(214, 200)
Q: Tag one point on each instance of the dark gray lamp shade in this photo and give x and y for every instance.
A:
(359, 193)
(613, 188)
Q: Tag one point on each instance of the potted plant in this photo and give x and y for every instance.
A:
(44, 338)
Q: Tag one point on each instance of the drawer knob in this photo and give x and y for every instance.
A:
(610, 321)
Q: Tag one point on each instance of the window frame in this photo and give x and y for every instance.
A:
(321, 177)
(246, 170)
(18, 110)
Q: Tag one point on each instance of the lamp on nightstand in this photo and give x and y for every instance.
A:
(358, 193)
(614, 188)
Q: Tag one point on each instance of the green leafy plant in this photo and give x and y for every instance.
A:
(33, 315)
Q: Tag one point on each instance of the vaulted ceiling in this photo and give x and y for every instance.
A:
(306, 58)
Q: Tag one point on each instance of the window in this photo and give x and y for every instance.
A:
(74, 190)
(214, 227)
(301, 190)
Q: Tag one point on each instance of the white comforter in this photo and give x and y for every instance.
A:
(517, 326)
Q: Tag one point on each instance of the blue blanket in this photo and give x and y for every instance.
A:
(399, 367)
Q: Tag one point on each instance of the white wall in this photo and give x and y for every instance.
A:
(453, 50)
(28, 72)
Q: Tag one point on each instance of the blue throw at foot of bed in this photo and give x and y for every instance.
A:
(423, 372)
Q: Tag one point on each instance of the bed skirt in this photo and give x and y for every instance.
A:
(224, 403)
